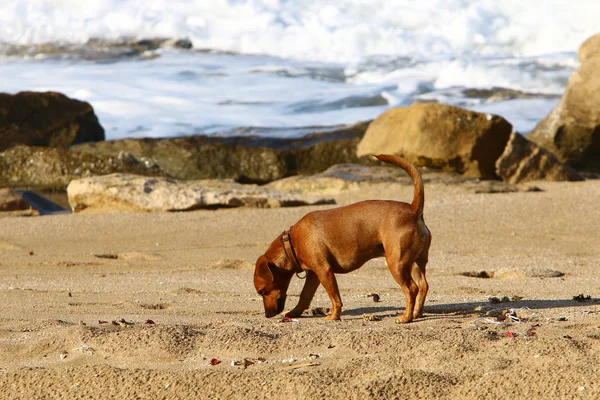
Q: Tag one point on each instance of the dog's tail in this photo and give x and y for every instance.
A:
(419, 196)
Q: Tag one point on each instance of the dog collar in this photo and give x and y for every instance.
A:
(290, 253)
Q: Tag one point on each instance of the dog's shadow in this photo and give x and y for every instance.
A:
(471, 309)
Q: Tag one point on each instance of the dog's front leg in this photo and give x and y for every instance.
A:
(327, 278)
(308, 292)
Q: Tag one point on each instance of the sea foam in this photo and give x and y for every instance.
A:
(283, 63)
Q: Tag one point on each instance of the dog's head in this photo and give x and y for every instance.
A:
(271, 280)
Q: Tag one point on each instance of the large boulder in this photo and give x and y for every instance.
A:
(248, 159)
(44, 167)
(524, 161)
(440, 136)
(133, 193)
(572, 129)
(46, 119)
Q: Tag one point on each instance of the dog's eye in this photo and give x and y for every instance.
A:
(261, 292)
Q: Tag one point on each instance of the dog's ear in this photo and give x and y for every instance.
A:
(262, 270)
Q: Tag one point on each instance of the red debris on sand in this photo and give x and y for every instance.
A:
(102, 322)
(286, 319)
(150, 322)
(214, 361)
(511, 334)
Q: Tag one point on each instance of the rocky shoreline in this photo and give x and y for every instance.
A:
(48, 141)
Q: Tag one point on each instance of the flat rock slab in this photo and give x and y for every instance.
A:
(44, 167)
(126, 192)
(338, 178)
(341, 177)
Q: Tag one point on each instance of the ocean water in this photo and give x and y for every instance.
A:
(279, 65)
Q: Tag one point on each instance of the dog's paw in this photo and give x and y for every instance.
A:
(404, 319)
(332, 318)
(293, 314)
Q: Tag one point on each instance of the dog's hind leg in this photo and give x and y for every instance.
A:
(401, 267)
(308, 292)
(418, 275)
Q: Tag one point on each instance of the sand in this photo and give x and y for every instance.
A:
(136, 306)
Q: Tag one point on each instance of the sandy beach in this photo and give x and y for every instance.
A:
(165, 107)
(132, 306)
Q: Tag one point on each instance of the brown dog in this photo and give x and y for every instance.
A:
(340, 240)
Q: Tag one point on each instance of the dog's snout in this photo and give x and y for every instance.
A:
(280, 306)
(274, 304)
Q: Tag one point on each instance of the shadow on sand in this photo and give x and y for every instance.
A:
(472, 309)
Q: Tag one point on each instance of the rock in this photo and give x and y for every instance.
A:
(439, 136)
(478, 274)
(520, 273)
(246, 159)
(98, 49)
(515, 273)
(572, 129)
(25, 202)
(543, 273)
(490, 187)
(363, 173)
(589, 49)
(126, 192)
(198, 157)
(340, 177)
(524, 161)
(502, 94)
(43, 167)
(315, 184)
(46, 119)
